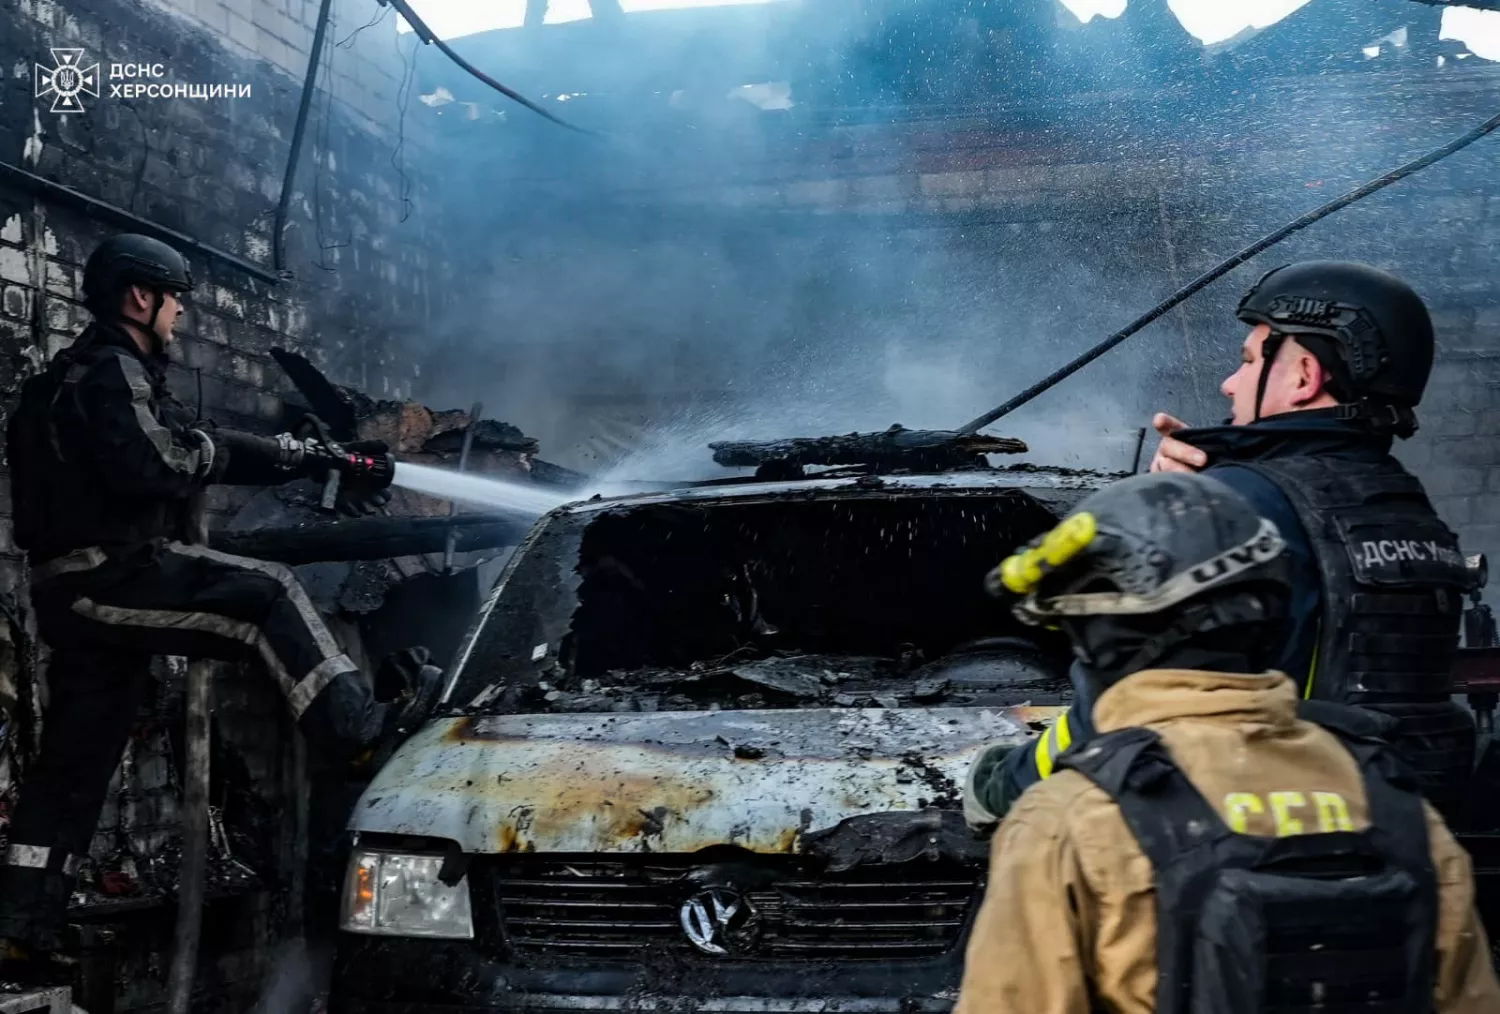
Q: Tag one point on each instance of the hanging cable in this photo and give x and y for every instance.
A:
(425, 34)
(1222, 269)
(377, 19)
(309, 83)
(403, 101)
(321, 157)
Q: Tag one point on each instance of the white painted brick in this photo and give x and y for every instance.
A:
(241, 31)
(271, 48)
(57, 342)
(15, 266)
(212, 328)
(61, 314)
(15, 301)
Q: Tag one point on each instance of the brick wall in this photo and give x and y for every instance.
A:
(212, 169)
(361, 261)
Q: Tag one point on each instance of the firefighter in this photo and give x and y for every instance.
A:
(1207, 849)
(106, 469)
(1335, 363)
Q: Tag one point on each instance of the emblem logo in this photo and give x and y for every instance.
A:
(719, 920)
(66, 80)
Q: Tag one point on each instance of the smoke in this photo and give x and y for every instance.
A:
(958, 200)
(296, 976)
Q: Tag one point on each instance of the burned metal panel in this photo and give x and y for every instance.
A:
(676, 781)
(1026, 479)
(519, 635)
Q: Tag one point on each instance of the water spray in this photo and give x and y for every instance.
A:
(479, 490)
(1223, 268)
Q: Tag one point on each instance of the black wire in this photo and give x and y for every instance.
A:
(403, 100)
(377, 19)
(425, 34)
(325, 127)
(309, 81)
(1222, 269)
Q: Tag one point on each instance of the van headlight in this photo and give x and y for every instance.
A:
(399, 894)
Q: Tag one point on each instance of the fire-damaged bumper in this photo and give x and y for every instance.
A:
(808, 860)
(379, 978)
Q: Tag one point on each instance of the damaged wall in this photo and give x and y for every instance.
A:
(362, 259)
(212, 169)
(847, 235)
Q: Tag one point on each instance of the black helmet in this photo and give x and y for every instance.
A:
(1150, 565)
(1367, 327)
(130, 259)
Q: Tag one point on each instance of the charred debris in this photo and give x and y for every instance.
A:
(970, 675)
(824, 595)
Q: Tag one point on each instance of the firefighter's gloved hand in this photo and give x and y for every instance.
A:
(984, 802)
(353, 502)
(357, 497)
(366, 464)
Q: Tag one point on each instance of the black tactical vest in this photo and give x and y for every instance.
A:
(1393, 579)
(1253, 925)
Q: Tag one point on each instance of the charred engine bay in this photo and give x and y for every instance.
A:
(991, 672)
(867, 601)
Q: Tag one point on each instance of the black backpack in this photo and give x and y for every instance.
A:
(1329, 922)
(32, 448)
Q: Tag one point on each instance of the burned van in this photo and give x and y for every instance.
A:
(704, 750)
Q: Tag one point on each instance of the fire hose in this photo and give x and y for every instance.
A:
(1220, 270)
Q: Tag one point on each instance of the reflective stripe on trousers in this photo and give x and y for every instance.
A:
(35, 857)
(299, 693)
(300, 690)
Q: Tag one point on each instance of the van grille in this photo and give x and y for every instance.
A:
(556, 906)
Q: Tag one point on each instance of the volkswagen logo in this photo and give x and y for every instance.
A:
(719, 920)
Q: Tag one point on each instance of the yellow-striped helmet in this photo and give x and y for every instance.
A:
(1149, 545)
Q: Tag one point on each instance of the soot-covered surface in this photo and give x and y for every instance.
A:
(868, 600)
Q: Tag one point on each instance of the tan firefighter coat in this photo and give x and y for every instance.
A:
(1070, 907)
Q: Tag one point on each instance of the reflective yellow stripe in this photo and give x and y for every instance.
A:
(1044, 754)
(1312, 668)
(1064, 734)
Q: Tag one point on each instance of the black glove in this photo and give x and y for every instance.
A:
(356, 499)
(365, 464)
(364, 469)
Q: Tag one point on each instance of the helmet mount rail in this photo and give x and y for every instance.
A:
(897, 448)
(1224, 267)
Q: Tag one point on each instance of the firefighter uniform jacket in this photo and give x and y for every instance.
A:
(103, 456)
(1068, 922)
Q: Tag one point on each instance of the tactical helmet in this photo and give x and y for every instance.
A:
(1368, 328)
(1147, 564)
(131, 259)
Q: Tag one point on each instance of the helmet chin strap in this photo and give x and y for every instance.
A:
(1270, 348)
(159, 300)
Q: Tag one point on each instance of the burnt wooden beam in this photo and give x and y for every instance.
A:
(375, 538)
(893, 446)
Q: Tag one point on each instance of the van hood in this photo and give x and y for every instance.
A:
(677, 781)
